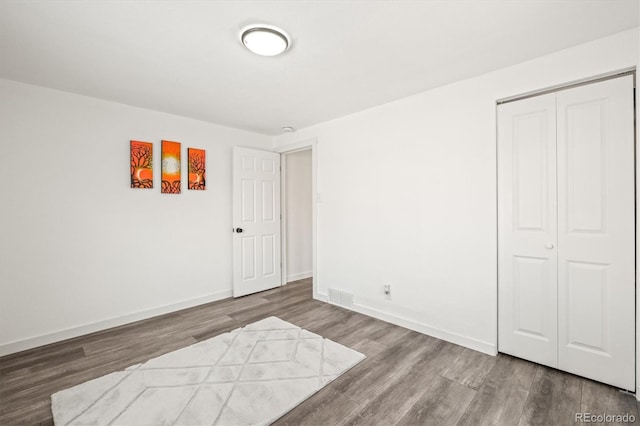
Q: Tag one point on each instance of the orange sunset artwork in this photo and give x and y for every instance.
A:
(170, 167)
(141, 164)
(196, 168)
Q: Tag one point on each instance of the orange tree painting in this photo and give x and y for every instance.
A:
(170, 167)
(196, 168)
(141, 164)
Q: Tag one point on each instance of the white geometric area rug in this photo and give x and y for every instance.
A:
(249, 376)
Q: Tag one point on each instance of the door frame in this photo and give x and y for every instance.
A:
(584, 81)
(302, 145)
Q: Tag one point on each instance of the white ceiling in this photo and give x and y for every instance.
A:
(184, 57)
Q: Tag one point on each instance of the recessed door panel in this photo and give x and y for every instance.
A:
(248, 163)
(587, 328)
(531, 276)
(268, 165)
(584, 141)
(268, 255)
(530, 170)
(248, 257)
(248, 200)
(268, 208)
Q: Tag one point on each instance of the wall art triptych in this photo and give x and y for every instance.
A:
(141, 162)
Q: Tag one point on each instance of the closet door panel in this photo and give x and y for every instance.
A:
(596, 231)
(527, 265)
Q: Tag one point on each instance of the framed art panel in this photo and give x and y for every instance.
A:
(170, 167)
(197, 166)
(141, 161)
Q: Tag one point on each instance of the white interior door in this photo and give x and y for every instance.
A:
(256, 221)
(566, 230)
(527, 231)
(596, 231)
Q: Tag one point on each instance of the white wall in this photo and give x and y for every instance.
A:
(298, 215)
(407, 195)
(79, 249)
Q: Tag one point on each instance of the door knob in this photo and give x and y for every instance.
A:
(548, 245)
(239, 230)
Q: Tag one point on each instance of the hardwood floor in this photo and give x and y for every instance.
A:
(407, 378)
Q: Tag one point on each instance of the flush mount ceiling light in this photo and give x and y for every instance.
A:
(288, 129)
(265, 40)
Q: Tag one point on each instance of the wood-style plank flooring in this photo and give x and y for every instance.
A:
(407, 378)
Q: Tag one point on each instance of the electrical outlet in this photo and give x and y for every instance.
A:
(387, 290)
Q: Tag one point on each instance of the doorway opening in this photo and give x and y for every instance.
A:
(297, 216)
(299, 213)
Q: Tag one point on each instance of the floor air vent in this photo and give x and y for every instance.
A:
(340, 297)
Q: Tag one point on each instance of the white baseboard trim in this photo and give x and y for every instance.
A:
(321, 297)
(299, 276)
(57, 336)
(458, 339)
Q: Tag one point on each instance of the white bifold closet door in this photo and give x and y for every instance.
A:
(566, 231)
